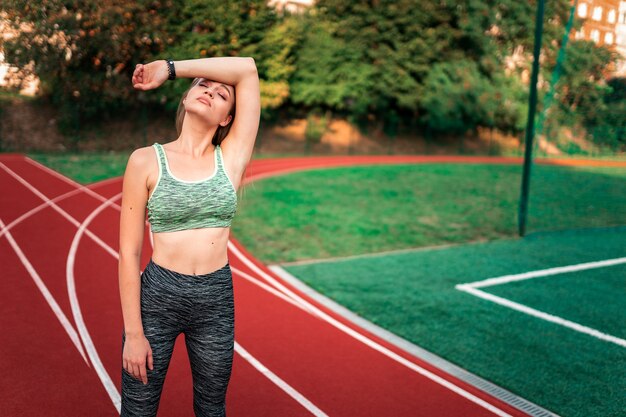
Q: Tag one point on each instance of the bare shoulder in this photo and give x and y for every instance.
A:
(141, 155)
(142, 165)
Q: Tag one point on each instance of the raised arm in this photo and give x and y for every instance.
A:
(240, 72)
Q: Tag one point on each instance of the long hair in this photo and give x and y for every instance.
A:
(220, 133)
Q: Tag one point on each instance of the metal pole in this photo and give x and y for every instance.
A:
(532, 105)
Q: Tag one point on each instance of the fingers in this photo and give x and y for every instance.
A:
(142, 373)
(137, 78)
(134, 370)
(138, 371)
(150, 362)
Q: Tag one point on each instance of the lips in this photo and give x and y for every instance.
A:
(205, 101)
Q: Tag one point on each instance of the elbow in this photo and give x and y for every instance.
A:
(129, 255)
(252, 65)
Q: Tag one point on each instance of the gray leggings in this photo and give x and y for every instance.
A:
(201, 307)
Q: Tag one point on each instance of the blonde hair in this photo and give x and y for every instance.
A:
(220, 133)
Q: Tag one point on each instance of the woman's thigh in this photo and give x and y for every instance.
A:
(163, 320)
(210, 338)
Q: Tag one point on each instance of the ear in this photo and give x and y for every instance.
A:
(227, 121)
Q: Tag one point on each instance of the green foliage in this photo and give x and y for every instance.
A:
(218, 28)
(451, 96)
(330, 72)
(457, 97)
(275, 55)
(84, 52)
(585, 100)
(439, 64)
(206, 28)
(609, 127)
(384, 50)
(442, 61)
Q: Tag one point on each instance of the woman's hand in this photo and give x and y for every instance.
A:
(149, 76)
(136, 349)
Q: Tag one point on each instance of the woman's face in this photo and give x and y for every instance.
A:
(211, 100)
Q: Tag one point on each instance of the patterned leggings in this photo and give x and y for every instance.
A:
(201, 307)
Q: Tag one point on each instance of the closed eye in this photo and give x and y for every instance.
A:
(204, 85)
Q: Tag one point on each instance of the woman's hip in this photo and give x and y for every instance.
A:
(167, 286)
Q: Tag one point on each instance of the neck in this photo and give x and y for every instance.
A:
(195, 137)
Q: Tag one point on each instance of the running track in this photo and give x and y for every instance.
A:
(61, 318)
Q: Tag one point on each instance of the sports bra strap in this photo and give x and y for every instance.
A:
(160, 153)
(162, 157)
(220, 161)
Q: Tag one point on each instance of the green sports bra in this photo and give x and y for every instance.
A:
(177, 204)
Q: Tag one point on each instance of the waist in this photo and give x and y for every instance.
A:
(192, 252)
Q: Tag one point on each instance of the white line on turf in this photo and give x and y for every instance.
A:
(471, 288)
(544, 272)
(417, 351)
(540, 314)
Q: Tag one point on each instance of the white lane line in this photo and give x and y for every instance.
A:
(372, 344)
(279, 382)
(105, 378)
(108, 249)
(37, 209)
(417, 351)
(69, 180)
(58, 312)
(59, 209)
(91, 349)
(269, 289)
(305, 304)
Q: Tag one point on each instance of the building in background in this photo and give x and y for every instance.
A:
(12, 77)
(604, 24)
(620, 38)
(291, 6)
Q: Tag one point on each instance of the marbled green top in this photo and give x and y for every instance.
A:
(177, 204)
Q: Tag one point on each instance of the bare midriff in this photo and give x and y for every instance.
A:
(193, 251)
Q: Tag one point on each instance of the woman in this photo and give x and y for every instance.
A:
(189, 188)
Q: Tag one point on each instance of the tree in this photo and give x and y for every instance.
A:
(84, 52)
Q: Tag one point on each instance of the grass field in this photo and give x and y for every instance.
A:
(349, 211)
(413, 295)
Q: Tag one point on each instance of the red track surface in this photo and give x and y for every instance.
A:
(62, 323)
